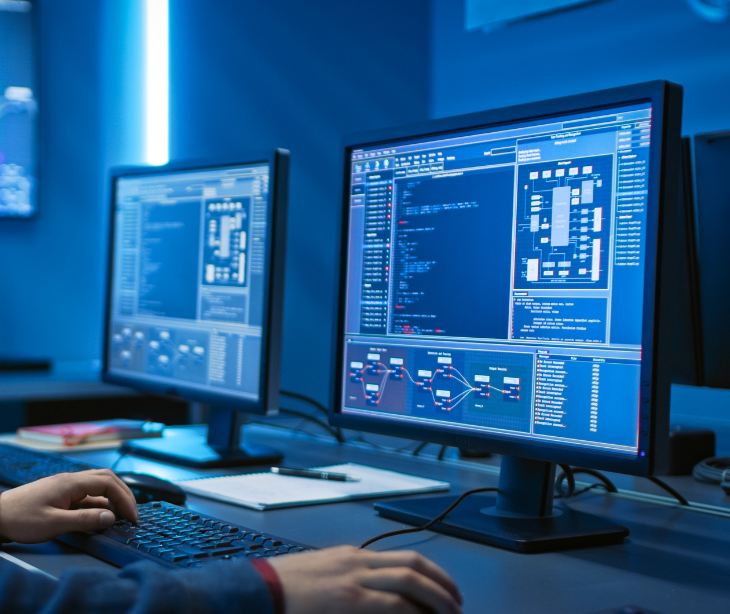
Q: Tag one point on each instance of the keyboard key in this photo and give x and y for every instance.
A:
(174, 557)
(227, 551)
(190, 563)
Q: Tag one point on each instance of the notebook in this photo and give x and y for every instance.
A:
(263, 491)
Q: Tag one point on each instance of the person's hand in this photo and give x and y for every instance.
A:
(346, 579)
(42, 510)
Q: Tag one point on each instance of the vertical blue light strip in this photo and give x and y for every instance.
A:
(156, 81)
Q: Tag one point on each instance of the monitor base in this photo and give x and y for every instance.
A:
(475, 519)
(195, 452)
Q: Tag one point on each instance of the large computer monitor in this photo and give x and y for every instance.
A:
(195, 294)
(506, 285)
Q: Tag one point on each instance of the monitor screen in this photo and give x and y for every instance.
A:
(188, 280)
(18, 110)
(494, 282)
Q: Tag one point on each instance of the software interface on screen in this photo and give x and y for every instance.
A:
(18, 110)
(189, 279)
(495, 279)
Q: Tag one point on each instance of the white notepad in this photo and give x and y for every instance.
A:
(262, 491)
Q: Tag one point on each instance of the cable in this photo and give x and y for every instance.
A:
(305, 399)
(570, 474)
(567, 473)
(442, 452)
(430, 523)
(610, 486)
(314, 403)
(420, 448)
(711, 470)
(669, 489)
(305, 416)
(360, 439)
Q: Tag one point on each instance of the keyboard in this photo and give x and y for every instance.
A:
(166, 534)
(19, 466)
(178, 537)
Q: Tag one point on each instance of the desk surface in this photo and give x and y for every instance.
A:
(675, 561)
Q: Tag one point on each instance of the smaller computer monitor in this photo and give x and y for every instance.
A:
(195, 294)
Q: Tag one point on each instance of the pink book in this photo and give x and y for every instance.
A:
(72, 434)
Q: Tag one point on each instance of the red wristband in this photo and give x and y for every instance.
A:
(271, 578)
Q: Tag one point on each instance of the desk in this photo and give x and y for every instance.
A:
(676, 561)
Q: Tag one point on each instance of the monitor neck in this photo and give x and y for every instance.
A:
(224, 428)
(525, 488)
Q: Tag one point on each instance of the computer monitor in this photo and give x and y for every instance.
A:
(712, 202)
(506, 286)
(195, 295)
(687, 357)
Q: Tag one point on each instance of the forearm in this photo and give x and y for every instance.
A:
(143, 588)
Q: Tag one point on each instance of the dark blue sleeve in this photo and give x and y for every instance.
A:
(142, 588)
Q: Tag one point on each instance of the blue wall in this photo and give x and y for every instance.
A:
(297, 75)
(604, 45)
(51, 266)
(243, 76)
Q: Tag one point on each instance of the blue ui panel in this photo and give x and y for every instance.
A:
(188, 278)
(495, 279)
(18, 110)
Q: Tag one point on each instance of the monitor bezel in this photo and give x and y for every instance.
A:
(666, 101)
(273, 310)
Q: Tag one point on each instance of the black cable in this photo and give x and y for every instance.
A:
(442, 452)
(305, 399)
(580, 491)
(610, 486)
(570, 473)
(420, 448)
(567, 473)
(711, 470)
(305, 416)
(430, 523)
(314, 403)
(669, 489)
(377, 446)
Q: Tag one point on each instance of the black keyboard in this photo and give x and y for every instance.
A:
(177, 537)
(166, 534)
(19, 466)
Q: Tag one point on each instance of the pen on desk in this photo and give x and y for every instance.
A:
(315, 475)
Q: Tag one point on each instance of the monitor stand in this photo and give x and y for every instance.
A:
(521, 517)
(223, 447)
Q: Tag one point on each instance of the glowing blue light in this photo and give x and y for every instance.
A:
(156, 81)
